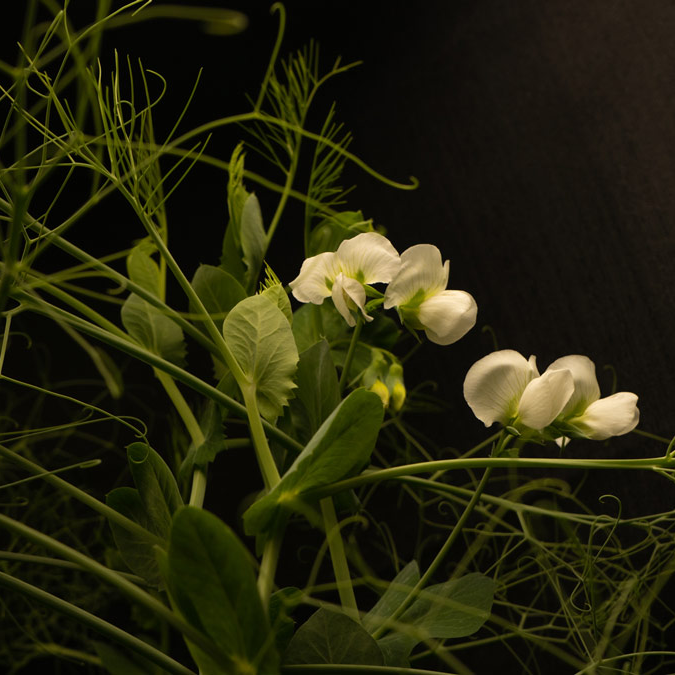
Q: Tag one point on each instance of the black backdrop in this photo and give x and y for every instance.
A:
(543, 136)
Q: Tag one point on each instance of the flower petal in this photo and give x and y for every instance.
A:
(368, 257)
(448, 316)
(586, 388)
(422, 269)
(610, 416)
(494, 384)
(544, 398)
(310, 285)
(349, 294)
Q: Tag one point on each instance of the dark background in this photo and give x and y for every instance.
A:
(543, 137)
(542, 134)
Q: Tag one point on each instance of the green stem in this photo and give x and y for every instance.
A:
(80, 495)
(339, 559)
(129, 589)
(378, 475)
(436, 562)
(266, 462)
(198, 490)
(109, 630)
(350, 353)
(268, 566)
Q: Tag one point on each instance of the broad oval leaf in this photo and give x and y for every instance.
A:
(339, 449)
(318, 392)
(218, 290)
(212, 583)
(330, 637)
(153, 330)
(260, 338)
(142, 269)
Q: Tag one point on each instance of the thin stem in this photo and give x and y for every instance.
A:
(436, 562)
(198, 490)
(339, 559)
(268, 566)
(109, 630)
(266, 462)
(378, 475)
(350, 352)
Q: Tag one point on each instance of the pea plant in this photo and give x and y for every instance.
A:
(363, 546)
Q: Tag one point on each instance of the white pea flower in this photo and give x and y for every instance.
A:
(588, 415)
(418, 292)
(505, 387)
(367, 258)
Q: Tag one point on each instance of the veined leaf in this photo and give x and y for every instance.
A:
(339, 449)
(151, 505)
(153, 330)
(212, 583)
(331, 637)
(260, 338)
(253, 238)
(318, 392)
(453, 609)
(218, 290)
(142, 269)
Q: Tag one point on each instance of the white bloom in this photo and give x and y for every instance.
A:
(587, 413)
(368, 258)
(418, 292)
(505, 387)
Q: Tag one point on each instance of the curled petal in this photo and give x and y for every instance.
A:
(448, 316)
(349, 294)
(610, 416)
(315, 279)
(494, 384)
(368, 257)
(544, 398)
(586, 388)
(422, 269)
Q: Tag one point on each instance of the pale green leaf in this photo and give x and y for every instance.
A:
(153, 330)
(260, 338)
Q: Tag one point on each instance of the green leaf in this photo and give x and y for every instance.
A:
(260, 338)
(118, 663)
(453, 609)
(281, 606)
(253, 239)
(137, 552)
(218, 290)
(330, 637)
(278, 296)
(151, 505)
(339, 449)
(212, 583)
(318, 392)
(153, 330)
(156, 485)
(391, 599)
(142, 269)
(211, 424)
(245, 242)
